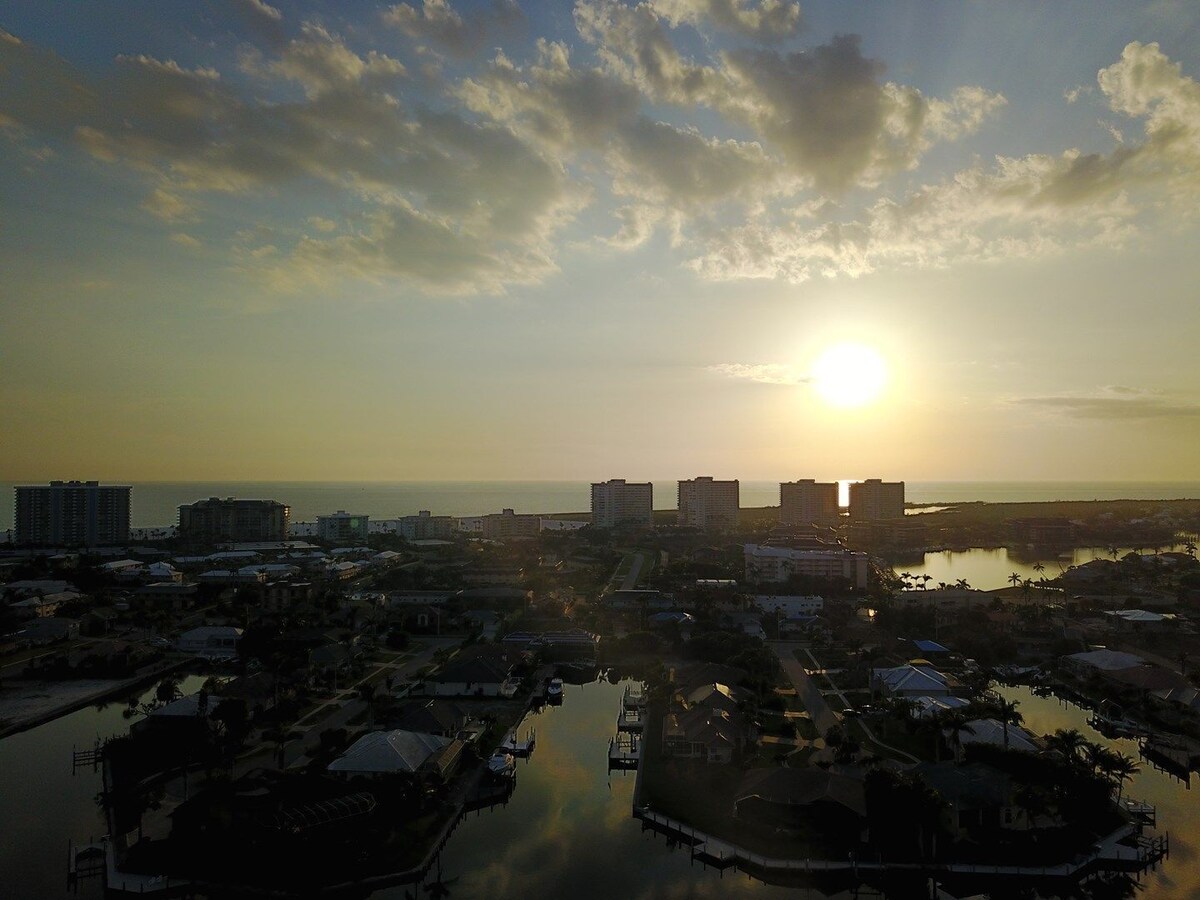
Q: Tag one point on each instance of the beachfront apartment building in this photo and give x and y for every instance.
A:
(71, 514)
(769, 564)
(425, 526)
(343, 526)
(707, 503)
(215, 520)
(875, 499)
(507, 525)
(808, 502)
(618, 502)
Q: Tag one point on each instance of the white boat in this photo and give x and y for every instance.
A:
(554, 690)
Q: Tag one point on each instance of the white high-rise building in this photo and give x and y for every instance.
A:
(777, 564)
(618, 502)
(72, 513)
(706, 503)
(343, 526)
(808, 502)
(874, 499)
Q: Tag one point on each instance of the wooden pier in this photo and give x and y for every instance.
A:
(630, 720)
(519, 747)
(1113, 853)
(624, 751)
(91, 757)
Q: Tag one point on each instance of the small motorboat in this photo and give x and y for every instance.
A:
(554, 690)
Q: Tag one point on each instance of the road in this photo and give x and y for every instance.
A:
(806, 689)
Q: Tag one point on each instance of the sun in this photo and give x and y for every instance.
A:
(849, 375)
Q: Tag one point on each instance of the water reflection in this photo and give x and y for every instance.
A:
(43, 805)
(568, 832)
(1177, 878)
(988, 569)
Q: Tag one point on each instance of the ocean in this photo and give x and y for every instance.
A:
(156, 503)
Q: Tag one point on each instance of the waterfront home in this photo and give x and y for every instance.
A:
(992, 732)
(713, 696)
(1094, 662)
(482, 674)
(572, 643)
(930, 707)
(808, 799)
(978, 797)
(212, 641)
(709, 735)
(407, 753)
(911, 681)
(438, 717)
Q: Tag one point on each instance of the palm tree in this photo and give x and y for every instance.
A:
(955, 724)
(1039, 568)
(963, 583)
(1007, 714)
(1014, 579)
(905, 577)
(1068, 742)
(1122, 768)
(925, 579)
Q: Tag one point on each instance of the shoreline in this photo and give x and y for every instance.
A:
(74, 704)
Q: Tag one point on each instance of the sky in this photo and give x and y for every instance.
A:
(543, 240)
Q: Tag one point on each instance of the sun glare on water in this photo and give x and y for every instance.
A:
(849, 375)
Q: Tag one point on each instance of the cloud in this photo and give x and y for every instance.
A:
(762, 373)
(323, 64)
(1115, 403)
(185, 240)
(438, 23)
(1028, 206)
(826, 110)
(1019, 207)
(764, 20)
(663, 172)
(413, 173)
(169, 207)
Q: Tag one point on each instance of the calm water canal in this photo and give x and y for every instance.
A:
(566, 832)
(988, 569)
(42, 805)
(1178, 812)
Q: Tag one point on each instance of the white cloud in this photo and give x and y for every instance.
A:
(764, 20)
(762, 373)
(441, 25)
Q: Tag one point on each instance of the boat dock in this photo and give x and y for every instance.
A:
(635, 698)
(519, 747)
(624, 751)
(1113, 853)
(630, 720)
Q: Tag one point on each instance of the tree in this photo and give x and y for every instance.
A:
(1069, 742)
(1122, 768)
(1014, 579)
(1007, 714)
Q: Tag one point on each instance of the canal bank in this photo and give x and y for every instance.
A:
(566, 831)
